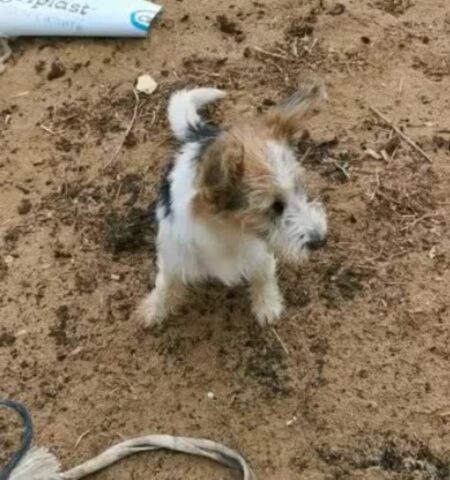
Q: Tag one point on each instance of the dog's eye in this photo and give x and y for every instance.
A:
(278, 207)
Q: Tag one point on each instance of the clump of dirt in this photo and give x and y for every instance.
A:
(131, 140)
(398, 201)
(57, 70)
(312, 152)
(11, 238)
(227, 26)
(60, 251)
(321, 155)
(441, 143)
(129, 232)
(24, 206)
(342, 283)
(394, 7)
(265, 365)
(7, 339)
(409, 458)
(302, 27)
(39, 66)
(230, 27)
(66, 145)
(86, 281)
(79, 118)
(64, 331)
(297, 295)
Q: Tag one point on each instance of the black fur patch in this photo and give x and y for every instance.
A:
(203, 133)
(165, 196)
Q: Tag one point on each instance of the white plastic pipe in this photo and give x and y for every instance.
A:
(94, 18)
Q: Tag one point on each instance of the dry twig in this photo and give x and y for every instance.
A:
(128, 130)
(416, 221)
(47, 129)
(338, 166)
(283, 345)
(401, 134)
(80, 438)
(269, 54)
(305, 155)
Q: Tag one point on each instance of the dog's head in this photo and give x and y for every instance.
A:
(250, 179)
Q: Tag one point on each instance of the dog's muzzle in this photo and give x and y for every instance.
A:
(316, 241)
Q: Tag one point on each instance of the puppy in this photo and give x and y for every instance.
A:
(233, 199)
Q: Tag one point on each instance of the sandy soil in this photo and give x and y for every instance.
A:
(364, 391)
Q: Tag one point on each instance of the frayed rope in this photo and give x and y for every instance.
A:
(39, 464)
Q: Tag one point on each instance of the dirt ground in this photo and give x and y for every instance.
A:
(364, 390)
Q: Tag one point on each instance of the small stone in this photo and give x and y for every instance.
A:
(291, 422)
(8, 259)
(337, 9)
(24, 206)
(76, 352)
(146, 84)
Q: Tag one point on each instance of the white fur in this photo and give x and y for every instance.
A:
(302, 218)
(184, 106)
(191, 250)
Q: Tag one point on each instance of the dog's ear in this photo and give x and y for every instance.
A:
(285, 121)
(221, 173)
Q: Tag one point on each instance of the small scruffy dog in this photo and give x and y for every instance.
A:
(234, 197)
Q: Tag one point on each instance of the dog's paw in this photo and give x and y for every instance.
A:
(267, 307)
(151, 313)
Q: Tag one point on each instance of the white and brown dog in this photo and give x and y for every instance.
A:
(234, 198)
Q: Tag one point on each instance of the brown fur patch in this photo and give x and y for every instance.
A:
(221, 172)
(236, 181)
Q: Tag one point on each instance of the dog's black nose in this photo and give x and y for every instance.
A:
(316, 241)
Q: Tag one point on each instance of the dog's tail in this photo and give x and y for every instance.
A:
(183, 109)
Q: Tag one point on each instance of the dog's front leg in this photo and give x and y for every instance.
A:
(167, 294)
(267, 301)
